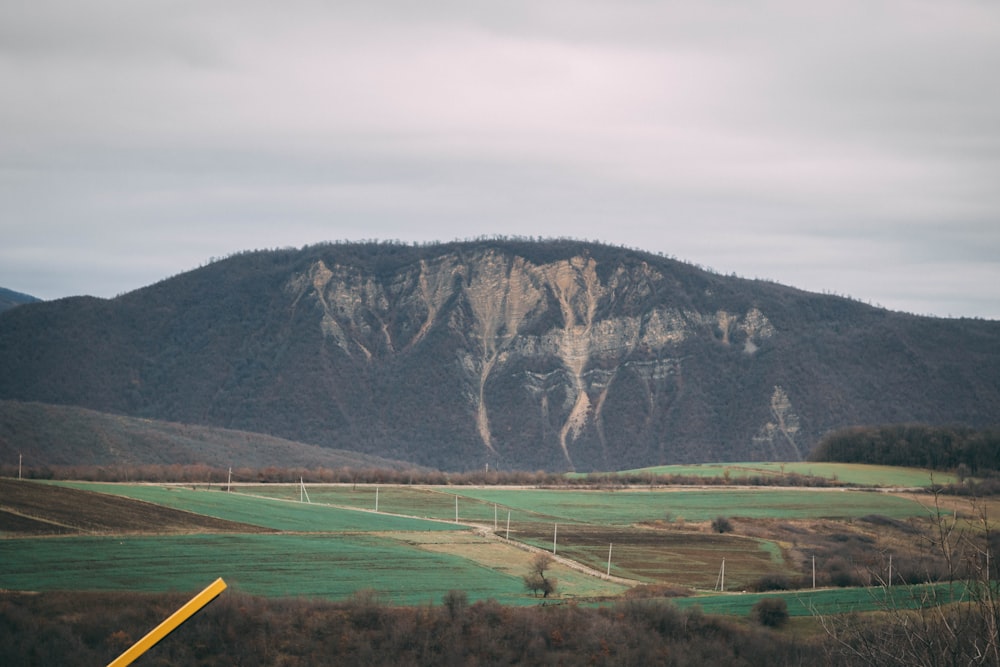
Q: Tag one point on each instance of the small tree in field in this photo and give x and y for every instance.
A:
(536, 581)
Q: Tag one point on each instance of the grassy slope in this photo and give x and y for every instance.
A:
(64, 435)
(626, 507)
(846, 473)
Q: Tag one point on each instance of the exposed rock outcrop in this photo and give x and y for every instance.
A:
(559, 319)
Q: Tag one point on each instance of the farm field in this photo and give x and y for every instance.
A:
(662, 535)
(330, 566)
(413, 551)
(37, 509)
(619, 507)
(317, 551)
(824, 601)
(661, 556)
(639, 553)
(418, 501)
(845, 473)
(261, 511)
(507, 558)
(625, 507)
(654, 535)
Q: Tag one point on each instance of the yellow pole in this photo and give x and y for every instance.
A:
(169, 625)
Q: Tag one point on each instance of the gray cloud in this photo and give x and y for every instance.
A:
(851, 148)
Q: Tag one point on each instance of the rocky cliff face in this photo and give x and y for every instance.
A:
(518, 355)
(567, 334)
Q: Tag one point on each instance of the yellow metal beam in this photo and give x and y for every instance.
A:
(169, 625)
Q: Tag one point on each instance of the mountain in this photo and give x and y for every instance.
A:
(10, 298)
(558, 355)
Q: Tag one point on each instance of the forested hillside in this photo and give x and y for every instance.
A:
(525, 355)
(914, 445)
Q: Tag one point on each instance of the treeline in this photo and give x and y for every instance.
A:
(88, 629)
(961, 449)
(209, 475)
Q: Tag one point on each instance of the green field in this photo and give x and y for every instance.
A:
(329, 566)
(825, 601)
(417, 501)
(266, 512)
(632, 506)
(845, 473)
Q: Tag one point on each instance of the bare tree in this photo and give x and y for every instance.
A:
(536, 581)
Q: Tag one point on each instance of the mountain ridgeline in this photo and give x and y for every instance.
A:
(556, 355)
(10, 299)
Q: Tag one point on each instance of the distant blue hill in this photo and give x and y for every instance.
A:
(10, 298)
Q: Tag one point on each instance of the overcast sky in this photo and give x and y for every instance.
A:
(844, 147)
